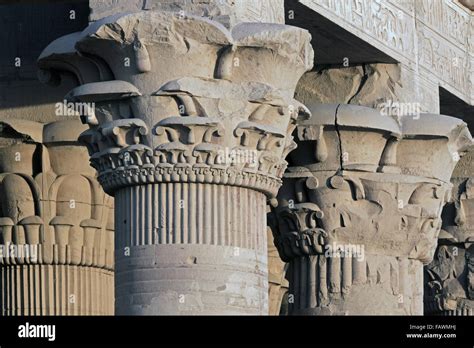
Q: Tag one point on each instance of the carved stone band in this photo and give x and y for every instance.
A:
(119, 164)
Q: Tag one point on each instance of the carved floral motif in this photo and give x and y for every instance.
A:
(362, 180)
(224, 103)
(68, 219)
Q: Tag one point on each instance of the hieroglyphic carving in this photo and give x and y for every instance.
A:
(269, 11)
(448, 61)
(442, 30)
(386, 22)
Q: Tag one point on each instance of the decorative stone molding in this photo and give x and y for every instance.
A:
(449, 278)
(360, 208)
(56, 235)
(187, 99)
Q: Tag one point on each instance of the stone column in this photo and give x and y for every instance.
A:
(189, 132)
(449, 278)
(56, 238)
(278, 284)
(359, 211)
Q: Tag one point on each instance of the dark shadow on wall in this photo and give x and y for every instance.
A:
(27, 27)
(451, 105)
(332, 43)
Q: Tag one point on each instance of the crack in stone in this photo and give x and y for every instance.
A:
(336, 125)
(363, 81)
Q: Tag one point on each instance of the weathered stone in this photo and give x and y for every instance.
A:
(189, 98)
(330, 86)
(468, 3)
(359, 211)
(227, 12)
(433, 45)
(278, 284)
(380, 86)
(432, 41)
(56, 235)
(449, 278)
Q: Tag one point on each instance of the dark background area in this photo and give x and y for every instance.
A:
(26, 28)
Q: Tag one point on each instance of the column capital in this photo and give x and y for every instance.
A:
(189, 130)
(185, 98)
(353, 161)
(363, 193)
(449, 278)
(54, 222)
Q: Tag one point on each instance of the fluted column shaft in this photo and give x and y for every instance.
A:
(56, 238)
(348, 285)
(186, 248)
(56, 290)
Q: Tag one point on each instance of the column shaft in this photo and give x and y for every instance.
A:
(56, 290)
(349, 285)
(190, 248)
